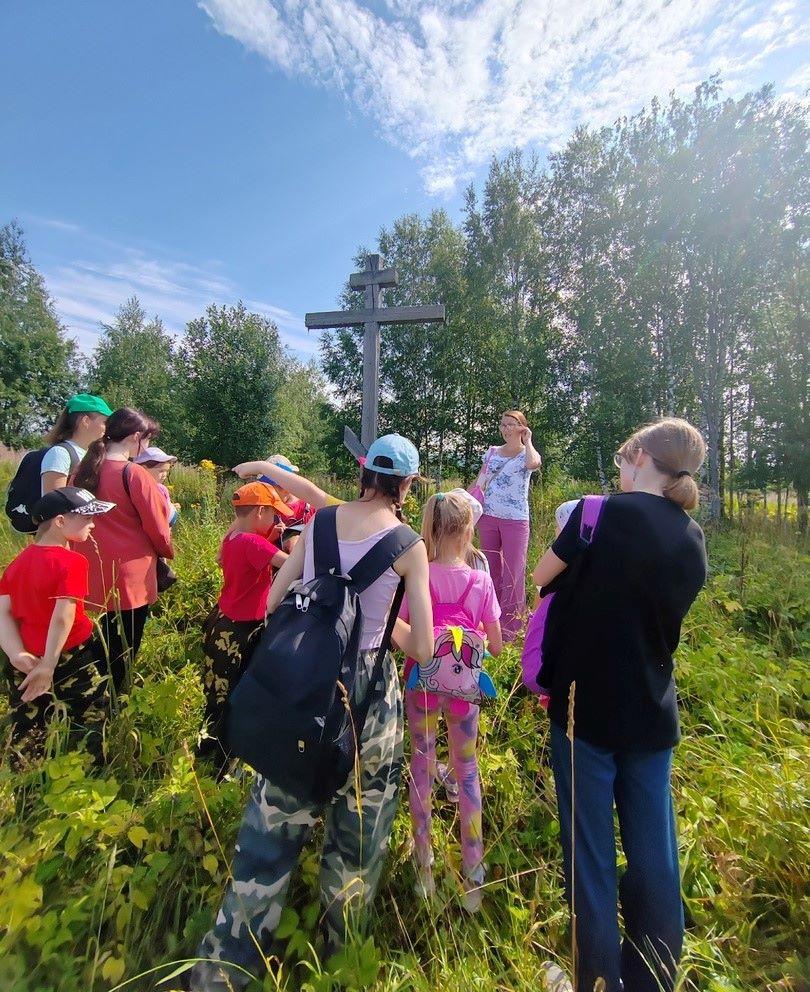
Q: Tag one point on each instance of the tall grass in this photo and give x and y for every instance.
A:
(110, 874)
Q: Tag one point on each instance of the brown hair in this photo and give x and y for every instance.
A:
(516, 415)
(446, 516)
(120, 424)
(245, 511)
(677, 449)
(379, 483)
(65, 427)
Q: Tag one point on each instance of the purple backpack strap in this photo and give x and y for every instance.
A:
(591, 512)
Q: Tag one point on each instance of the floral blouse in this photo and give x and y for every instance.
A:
(506, 495)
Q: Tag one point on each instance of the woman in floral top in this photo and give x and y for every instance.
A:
(504, 526)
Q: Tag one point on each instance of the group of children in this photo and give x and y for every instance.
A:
(252, 549)
(49, 639)
(59, 665)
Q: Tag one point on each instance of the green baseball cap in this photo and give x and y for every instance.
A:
(87, 403)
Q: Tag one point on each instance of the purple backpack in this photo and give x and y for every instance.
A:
(531, 660)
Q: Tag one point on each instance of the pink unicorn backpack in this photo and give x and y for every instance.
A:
(455, 669)
(531, 660)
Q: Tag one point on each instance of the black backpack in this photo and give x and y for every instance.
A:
(26, 487)
(286, 716)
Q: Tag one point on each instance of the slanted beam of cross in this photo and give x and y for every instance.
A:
(373, 279)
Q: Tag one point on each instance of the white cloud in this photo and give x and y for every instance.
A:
(88, 292)
(453, 83)
(797, 86)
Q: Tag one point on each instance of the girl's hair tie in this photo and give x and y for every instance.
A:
(682, 473)
(439, 497)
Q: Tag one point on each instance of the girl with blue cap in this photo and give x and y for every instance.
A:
(358, 820)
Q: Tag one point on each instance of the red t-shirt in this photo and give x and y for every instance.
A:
(37, 577)
(246, 561)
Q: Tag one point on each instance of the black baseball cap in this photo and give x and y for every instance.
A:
(69, 499)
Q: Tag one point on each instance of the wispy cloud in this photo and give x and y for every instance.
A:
(453, 83)
(797, 86)
(88, 292)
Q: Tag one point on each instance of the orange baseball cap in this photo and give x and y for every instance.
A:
(261, 494)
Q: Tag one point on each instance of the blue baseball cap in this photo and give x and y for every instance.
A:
(403, 455)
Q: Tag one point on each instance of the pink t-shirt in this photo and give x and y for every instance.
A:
(245, 560)
(447, 584)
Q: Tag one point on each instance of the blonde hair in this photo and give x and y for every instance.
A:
(677, 449)
(445, 517)
(516, 415)
(475, 558)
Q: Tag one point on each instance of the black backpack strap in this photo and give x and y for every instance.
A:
(361, 712)
(384, 553)
(395, 543)
(325, 549)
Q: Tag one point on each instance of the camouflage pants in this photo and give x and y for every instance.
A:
(78, 686)
(274, 829)
(227, 647)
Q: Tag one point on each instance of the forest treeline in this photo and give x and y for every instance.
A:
(658, 266)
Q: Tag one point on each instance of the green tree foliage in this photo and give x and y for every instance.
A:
(301, 417)
(607, 359)
(233, 365)
(421, 365)
(656, 267)
(38, 360)
(135, 364)
(511, 325)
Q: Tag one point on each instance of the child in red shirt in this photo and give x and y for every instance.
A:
(44, 630)
(247, 558)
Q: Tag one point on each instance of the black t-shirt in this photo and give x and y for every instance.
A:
(615, 627)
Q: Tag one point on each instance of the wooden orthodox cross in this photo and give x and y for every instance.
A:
(373, 279)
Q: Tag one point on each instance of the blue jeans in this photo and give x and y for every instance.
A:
(650, 889)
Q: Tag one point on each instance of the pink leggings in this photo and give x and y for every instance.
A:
(506, 544)
(423, 711)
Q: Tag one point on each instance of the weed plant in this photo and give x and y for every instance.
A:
(111, 877)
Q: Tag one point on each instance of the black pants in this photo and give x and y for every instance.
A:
(79, 687)
(121, 632)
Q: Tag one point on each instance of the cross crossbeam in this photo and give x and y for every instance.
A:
(384, 315)
(373, 279)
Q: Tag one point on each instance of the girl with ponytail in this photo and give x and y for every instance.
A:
(613, 711)
(123, 553)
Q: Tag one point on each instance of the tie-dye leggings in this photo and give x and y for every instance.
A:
(422, 710)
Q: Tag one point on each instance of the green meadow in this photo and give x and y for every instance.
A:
(110, 877)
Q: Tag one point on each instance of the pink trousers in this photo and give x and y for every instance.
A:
(506, 544)
(462, 733)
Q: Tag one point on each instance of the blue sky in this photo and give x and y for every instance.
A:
(204, 152)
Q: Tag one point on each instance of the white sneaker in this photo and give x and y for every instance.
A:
(445, 777)
(473, 895)
(425, 886)
(556, 978)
